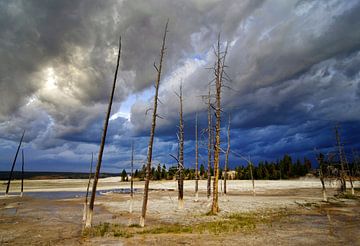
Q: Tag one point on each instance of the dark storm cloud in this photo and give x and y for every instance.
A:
(144, 21)
(62, 53)
(320, 93)
(93, 132)
(277, 42)
(50, 58)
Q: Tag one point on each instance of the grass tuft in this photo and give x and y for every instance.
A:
(173, 228)
(244, 222)
(135, 226)
(97, 231)
(347, 196)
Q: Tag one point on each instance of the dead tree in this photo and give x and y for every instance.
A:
(22, 173)
(320, 160)
(13, 165)
(132, 177)
(219, 72)
(250, 165)
(342, 160)
(350, 177)
(196, 160)
(227, 156)
(252, 176)
(86, 208)
(181, 153)
(102, 144)
(209, 146)
(152, 131)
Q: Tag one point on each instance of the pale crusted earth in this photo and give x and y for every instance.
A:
(33, 221)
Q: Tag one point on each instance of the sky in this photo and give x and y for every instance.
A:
(294, 69)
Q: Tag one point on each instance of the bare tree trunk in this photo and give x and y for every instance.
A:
(22, 173)
(215, 204)
(252, 176)
(181, 155)
(13, 165)
(86, 208)
(250, 166)
(196, 160)
(102, 144)
(132, 178)
(342, 161)
(348, 170)
(323, 184)
(227, 156)
(350, 176)
(152, 131)
(320, 160)
(209, 147)
(352, 187)
(219, 70)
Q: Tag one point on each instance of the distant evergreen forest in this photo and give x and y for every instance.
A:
(285, 168)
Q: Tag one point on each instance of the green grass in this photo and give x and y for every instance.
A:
(135, 226)
(236, 222)
(97, 231)
(172, 228)
(347, 196)
(120, 231)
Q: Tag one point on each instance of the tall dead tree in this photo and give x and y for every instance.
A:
(13, 164)
(252, 176)
(152, 131)
(320, 160)
(22, 173)
(209, 146)
(181, 154)
(350, 177)
(102, 144)
(250, 166)
(219, 72)
(227, 156)
(86, 207)
(196, 160)
(342, 160)
(132, 177)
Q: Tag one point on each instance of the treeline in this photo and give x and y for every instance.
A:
(281, 169)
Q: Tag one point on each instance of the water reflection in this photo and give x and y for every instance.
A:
(74, 194)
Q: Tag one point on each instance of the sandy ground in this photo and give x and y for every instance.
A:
(114, 183)
(35, 221)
